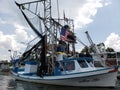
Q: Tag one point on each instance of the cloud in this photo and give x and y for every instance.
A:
(11, 16)
(13, 41)
(21, 34)
(8, 42)
(2, 21)
(113, 41)
(84, 10)
(88, 11)
(6, 6)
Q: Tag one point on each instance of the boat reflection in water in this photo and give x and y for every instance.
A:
(20, 85)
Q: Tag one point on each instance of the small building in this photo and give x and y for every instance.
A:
(4, 66)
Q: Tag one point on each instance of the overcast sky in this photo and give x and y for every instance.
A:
(99, 17)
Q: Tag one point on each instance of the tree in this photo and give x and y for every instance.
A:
(109, 49)
(85, 49)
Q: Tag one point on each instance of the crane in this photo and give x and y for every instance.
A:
(98, 54)
(93, 46)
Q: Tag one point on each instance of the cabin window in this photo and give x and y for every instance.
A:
(83, 64)
(68, 65)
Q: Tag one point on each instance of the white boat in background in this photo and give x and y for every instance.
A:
(54, 61)
(118, 60)
(119, 69)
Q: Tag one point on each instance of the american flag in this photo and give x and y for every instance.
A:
(63, 34)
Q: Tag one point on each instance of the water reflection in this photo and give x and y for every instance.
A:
(4, 82)
(8, 83)
(20, 85)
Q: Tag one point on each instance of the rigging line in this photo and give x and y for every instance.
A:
(27, 53)
(51, 33)
(28, 44)
(19, 5)
(55, 22)
(30, 24)
(36, 7)
(35, 30)
(32, 40)
(81, 42)
(31, 2)
(40, 25)
(35, 14)
(33, 26)
(58, 10)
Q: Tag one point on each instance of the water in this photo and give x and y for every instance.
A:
(8, 83)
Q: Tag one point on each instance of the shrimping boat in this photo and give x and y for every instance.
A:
(53, 58)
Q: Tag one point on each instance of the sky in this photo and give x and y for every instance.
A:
(99, 17)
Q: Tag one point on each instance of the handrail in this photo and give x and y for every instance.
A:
(80, 58)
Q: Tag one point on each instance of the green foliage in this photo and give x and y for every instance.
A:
(109, 49)
(85, 49)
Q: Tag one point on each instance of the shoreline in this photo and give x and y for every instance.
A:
(5, 73)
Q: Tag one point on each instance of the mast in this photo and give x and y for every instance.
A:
(50, 39)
